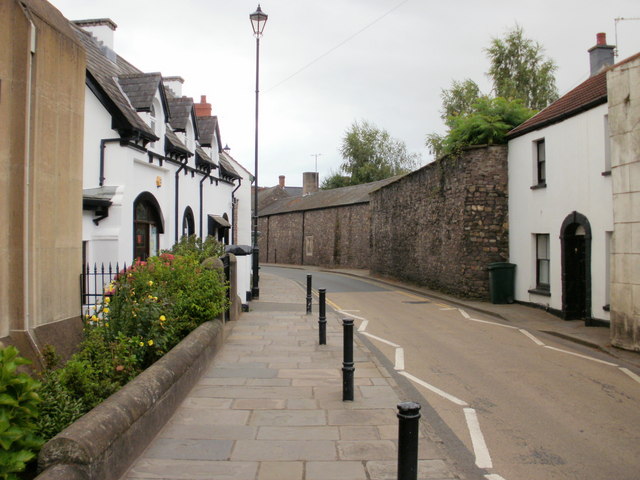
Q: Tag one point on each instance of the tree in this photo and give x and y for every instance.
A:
(487, 123)
(458, 99)
(520, 71)
(370, 154)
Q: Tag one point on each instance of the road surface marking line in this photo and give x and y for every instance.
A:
(531, 337)
(493, 476)
(483, 459)
(464, 314)
(444, 305)
(436, 390)
(399, 358)
(346, 312)
(410, 295)
(391, 344)
(492, 323)
(631, 374)
(581, 356)
(335, 306)
(363, 326)
(447, 308)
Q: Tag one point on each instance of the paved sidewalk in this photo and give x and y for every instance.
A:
(270, 407)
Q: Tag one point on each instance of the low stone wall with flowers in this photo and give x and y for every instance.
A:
(102, 444)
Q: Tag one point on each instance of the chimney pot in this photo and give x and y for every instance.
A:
(601, 38)
(203, 109)
(281, 181)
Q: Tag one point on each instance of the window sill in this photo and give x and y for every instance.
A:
(540, 291)
(606, 173)
(538, 186)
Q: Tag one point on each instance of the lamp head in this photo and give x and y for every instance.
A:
(258, 20)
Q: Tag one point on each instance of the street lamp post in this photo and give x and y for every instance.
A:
(258, 21)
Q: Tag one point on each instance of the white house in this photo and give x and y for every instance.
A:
(153, 170)
(561, 203)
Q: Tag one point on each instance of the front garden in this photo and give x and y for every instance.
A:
(145, 312)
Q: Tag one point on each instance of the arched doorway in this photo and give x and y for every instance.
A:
(575, 237)
(188, 223)
(147, 226)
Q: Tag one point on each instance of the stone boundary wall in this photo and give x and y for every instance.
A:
(103, 444)
(328, 237)
(441, 225)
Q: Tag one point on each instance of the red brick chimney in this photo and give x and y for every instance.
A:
(281, 181)
(203, 109)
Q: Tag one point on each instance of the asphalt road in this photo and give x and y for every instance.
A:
(521, 404)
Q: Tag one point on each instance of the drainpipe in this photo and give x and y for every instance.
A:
(234, 200)
(182, 166)
(103, 144)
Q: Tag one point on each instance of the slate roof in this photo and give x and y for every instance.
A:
(226, 170)
(202, 155)
(174, 145)
(181, 109)
(589, 94)
(268, 196)
(102, 74)
(141, 89)
(335, 197)
(207, 126)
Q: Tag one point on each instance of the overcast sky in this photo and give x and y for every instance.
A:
(326, 63)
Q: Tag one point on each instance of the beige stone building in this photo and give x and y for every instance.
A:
(623, 85)
(42, 78)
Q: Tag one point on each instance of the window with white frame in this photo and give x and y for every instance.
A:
(542, 262)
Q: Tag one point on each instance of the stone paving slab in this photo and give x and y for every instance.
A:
(270, 407)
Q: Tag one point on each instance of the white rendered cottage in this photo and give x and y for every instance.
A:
(561, 203)
(153, 171)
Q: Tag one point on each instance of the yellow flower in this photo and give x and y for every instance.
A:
(150, 283)
(94, 318)
(150, 342)
(150, 297)
(105, 310)
(142, 344)
(162, 318)
(107, 300)
(106, 324)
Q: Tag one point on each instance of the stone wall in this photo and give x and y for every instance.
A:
(623, 91)
(441, 225)
(330, 237)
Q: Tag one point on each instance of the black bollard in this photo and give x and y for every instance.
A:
(347, 364)
(408, 427)
(309, 293)
(322, 320)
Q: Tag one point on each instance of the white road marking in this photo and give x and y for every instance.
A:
(363, 326)
(483, 459)
(436, 390)
(447, 309)
(631, 374)
(391, 344)
(347, 312)
(464, 314)
(493, 476)
(531, 337)
(492, 323)
(399, 358)
(581, 356)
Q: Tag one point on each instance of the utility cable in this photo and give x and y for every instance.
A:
(333, 49)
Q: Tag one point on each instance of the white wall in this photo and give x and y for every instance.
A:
(575, 161)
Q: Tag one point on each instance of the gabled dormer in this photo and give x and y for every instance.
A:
(147, 95)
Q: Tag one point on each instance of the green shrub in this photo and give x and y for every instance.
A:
(193, 246)
(19, 402)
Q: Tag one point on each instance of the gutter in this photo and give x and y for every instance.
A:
(234, 201)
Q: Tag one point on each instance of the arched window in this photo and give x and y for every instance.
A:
(147, 226)
(188, 223)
